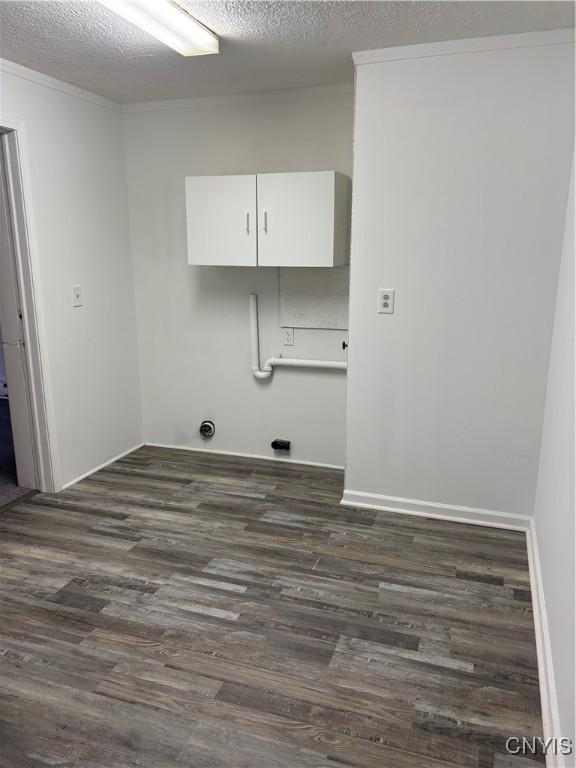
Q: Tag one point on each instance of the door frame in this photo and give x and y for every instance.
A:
(13, 148)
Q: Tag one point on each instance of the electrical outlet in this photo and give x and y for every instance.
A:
(386, 301)
(76, 296)
(288, 337)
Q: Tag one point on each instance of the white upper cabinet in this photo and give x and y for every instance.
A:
(221, 220)
(302, 219)
(269, 220)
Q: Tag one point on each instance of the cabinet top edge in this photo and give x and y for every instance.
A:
(264, 173)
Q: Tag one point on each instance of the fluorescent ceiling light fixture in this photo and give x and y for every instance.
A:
(169, 22)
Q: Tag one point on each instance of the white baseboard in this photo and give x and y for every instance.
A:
(245, 455)
(101, 466)
(548, 697)
(456, 514)
(196, 450)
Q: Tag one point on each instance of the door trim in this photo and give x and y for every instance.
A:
(13, 147)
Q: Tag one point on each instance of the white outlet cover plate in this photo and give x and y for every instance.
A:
(386, 301)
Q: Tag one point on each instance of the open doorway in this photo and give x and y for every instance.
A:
(10, 489)
(25, 460)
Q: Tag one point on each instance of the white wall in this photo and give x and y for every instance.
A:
(554, 509)
(193, 321)
(461, 170)
(79, 222)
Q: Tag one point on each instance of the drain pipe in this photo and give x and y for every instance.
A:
(280, 362)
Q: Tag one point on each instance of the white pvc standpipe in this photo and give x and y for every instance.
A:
(283, 362)
(255, 341)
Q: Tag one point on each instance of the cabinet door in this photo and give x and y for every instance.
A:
(300, 218)
(221, 220)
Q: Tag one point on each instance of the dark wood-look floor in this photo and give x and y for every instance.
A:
(186, 610)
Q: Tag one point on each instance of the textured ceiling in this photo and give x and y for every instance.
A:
(264, 45)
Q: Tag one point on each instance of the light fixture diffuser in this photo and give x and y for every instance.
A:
(169, 22)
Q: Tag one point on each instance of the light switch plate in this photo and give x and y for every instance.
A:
(76, 296)
(386, 301)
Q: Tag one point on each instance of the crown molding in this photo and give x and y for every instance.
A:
(470, 45)
(284, 94)
(16, 70)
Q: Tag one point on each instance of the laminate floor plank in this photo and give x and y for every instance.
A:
(179, 609)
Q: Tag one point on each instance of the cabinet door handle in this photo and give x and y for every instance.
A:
(247, 222)
(266, 222)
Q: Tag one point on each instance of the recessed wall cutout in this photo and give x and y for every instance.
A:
(207, 428)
